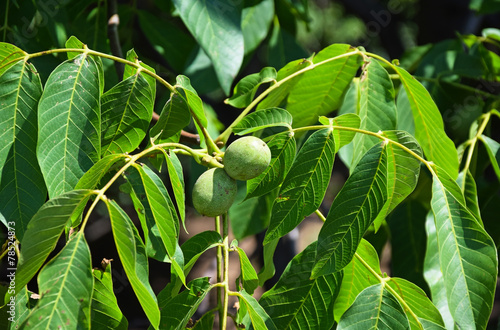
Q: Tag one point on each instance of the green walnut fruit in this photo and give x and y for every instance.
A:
(246, 158)
(214, 192)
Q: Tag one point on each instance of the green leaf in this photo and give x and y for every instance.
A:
(279, 94)
(433, 274)
(248, 276)
(283, 148)
(24, 304)
(305, 184)
(132, 255)
(267, 271)
(44, 230)
(205, 322)
(176, 176)
(256, 314)
(106, 313)
(132, 71)
(173, 118)
(342, 137)
(8, 54)
(468, 186)
(171, 41)
(65, 285)
(179, 309)
(217, 28)
(245, 89)
(162, 224)
(92, 178)
(405, 115)
(493, 149)
(296, 301)
(256, 19)
(418, 303)
(408, 240)
(352, 212)
(375, 307)
(187, 92)
(73, 42)
(467, 256)
(357, 277)
(485, 6)
(320, 91)
(262, 119)
(377, 107)
(69, 124)
(429, 128)
(250, 216)
(126, 110)
(22, 188)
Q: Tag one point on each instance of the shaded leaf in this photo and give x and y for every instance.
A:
(126, 110)
(429, 127)
(374, 308)
(296, 301)
(106, 313)
(305, 184)
(22, 188)
(73, 42)
(65, 285)
(44, 230)
(256, 19)
(352, 212)
(283, 148)
(173, 118)
(217, 28)
(262, 119)
(132, 254)
(179, 309)
(92, 178)
(267, 271)
(493, 149)
(468, 186)
(245, 89)
(176, 177)
(161, 225)
(24, 304)
(69, 124)
(467, 256)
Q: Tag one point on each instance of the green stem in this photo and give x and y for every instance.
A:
(486, 118)
(225, 135)
(220, 262)
(104, 55)
(6, 21)
(225, 238)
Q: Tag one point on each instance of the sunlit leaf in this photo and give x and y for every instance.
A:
(248, 276)
(132, 255)
(256, 19)
(69, 124)
(44, 230)
(176, 176)
(106, 313)
(375, 307)
(296, 301)
(245, 89)
(352, 212)
(22, 188)
(126, 110)
(257, 316)
(320, 91)
(429, 127)
(65, 285)
(9, 54)
(467, 256)
(261, 119)
(493, 149)
(305, 184)
(92, 178)
(468, 186)
(342, 137)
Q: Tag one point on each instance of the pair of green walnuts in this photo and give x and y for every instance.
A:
(215, 190)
